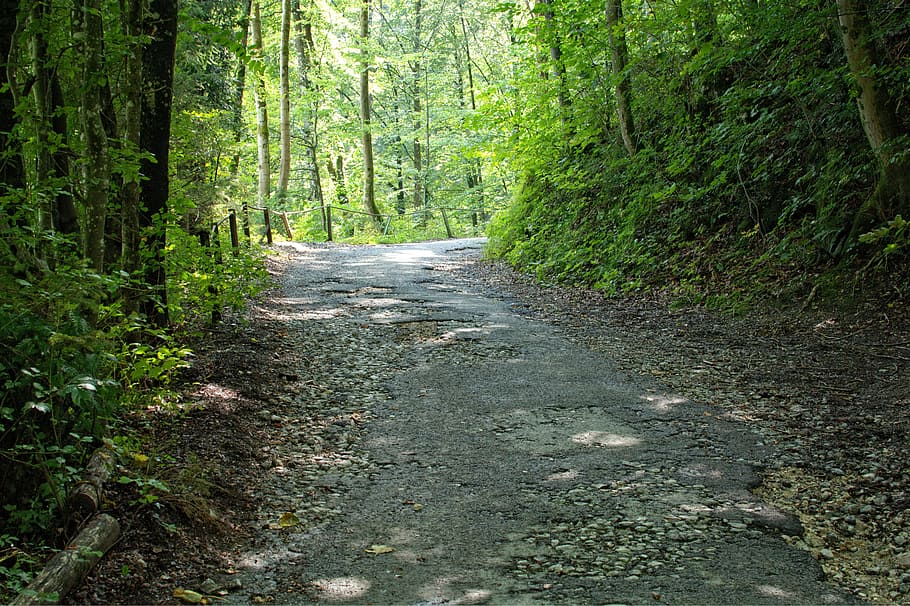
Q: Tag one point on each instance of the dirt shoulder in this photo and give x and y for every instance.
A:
(291, 413)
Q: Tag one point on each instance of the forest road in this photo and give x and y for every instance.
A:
(487, 459)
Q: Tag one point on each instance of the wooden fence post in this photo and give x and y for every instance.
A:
(235, 236)
(205, 238)
(328, 222)
(445, 219)
(268, 225)
(287, 225)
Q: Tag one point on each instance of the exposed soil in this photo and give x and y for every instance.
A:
(831, 392)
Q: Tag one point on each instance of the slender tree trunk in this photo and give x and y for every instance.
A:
(878, 113)
(95, 166)
(620, 59)
(262, 116)
(12, 168)
(57, 209)
(65, 217)
(369, 172)
(557, 65)
(237, 118)
(336, 172)
(419, 196)
(155, 126)
(303, 41)
(704, 87)
(475, 180)
(43, 111)
(284, 113)
(132, 16)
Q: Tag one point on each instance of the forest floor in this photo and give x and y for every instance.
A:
(318, 432)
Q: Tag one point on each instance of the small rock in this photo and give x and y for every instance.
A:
(902, 560)
(208, 586)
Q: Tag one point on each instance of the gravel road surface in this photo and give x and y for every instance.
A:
(475, 455)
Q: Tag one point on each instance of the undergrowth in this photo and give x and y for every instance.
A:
(75, 365)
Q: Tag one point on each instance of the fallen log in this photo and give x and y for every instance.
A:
(85, 498)
(69, 567)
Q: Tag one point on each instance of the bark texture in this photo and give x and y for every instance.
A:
(69, 567)
(262, 114)
(369, 171)
(620, 59)
(879, 117)
(158, 80)
(96, 170)
(284, 106)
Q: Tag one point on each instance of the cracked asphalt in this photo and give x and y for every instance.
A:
(494, 461)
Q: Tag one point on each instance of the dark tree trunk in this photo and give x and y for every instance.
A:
(237, 115)
(64, 210)
(155, 127)
(12, 170)
(130, 193)
(96, 166)
(879, 116)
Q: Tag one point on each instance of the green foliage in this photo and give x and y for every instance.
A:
(210, 279)
(753, 161)
(58, 387)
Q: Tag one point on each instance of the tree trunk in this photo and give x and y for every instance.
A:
(96, 163)
(620, 59)
(86, 497)
(419, 197)
(43, 111)
(557, 65)
(262, 116)
(130, 232)
(879, 118)
(155, 125)
(237, 118)
(475, 172)
(704, 87)
(369, 173)
(303, 42)
(284, 106)
(12, 168)
(58, 211)
(65, 217)
(69, 567)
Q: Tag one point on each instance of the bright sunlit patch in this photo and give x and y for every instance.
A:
(562, 476)
(409, 255)
(605, 439)
(775, 592)
(474, 596)
(341, 588)
(211, 390)
(662, 403)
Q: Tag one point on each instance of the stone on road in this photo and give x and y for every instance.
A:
(504, 464)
